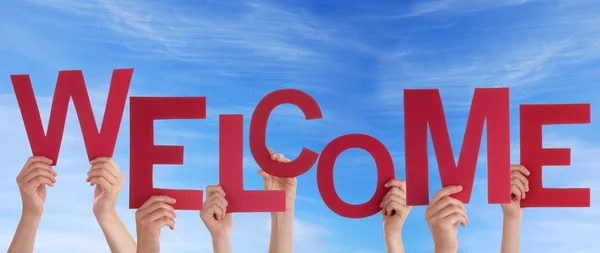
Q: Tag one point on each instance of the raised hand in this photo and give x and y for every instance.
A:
(277, 183)
(511, 226)
(282, 223)
(519, 189)
(107, 178)
(37, 173)
(216, 219)
(150, 218)
(442, 215)
(394, 213)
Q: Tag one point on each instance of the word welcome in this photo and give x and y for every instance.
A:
(423, 110)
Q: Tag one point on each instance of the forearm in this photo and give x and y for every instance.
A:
(222, 245)
(24, 238)
(393, 243)
(282, 232)
(511, 235)
(118, 238)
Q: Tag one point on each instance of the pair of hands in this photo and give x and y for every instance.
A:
(158, 212)
(444, 213)
(38, 174)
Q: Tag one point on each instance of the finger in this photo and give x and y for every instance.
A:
(31, 160)
(37, 173)
(279, 157)
(39, 180)
(159, 214)
(521, 169)
(156, 206)
(271, 154)
(394, 192)
(447, 211)
(263, 173)
(523, 179)
(393, 207)
(161, 198)
(455, 218)
(445, 202)
(103, 183)
(446, 191)
(107, 164)
(163, 222)
(32, 167)
(104, 173)
(211, 189)
(516, 182)
(218, 210)
(396, 183)
(516, 192)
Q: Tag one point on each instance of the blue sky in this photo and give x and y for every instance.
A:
(354, 58)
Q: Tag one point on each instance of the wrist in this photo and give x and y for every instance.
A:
(31, 217)
(393, 242)
(222, 244)
(446, 247)
(106, 217)
(513, 217)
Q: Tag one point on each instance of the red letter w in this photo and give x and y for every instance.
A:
(70, 84)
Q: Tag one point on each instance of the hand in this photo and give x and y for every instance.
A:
(37, 173)
(519, 186)
(214, 213)
(394, 207)
(277, 183)
(107, 178)
(443, 214)
(150, 218)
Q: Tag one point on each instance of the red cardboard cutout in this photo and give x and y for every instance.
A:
(423, 107)
(258, 131)
(144, 154)
(231, 172)
(385, 173)
(534, 156)
(70, 84)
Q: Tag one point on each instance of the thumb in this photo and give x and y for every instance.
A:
(263, 174)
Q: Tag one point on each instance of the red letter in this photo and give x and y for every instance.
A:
(144, 154)
(231, 172)
(422, 107)
(70, 84)
(385, 173)
(534, 156)
(258, 132)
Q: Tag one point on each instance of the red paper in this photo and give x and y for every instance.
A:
(144, 154)
(423, 107)
(534, 156)
(231, 172)
(70, 84)
(258, 129)
(385, 173)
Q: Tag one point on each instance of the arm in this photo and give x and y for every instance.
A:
(511, 228)
(394, 213)
(107, 178)
(24, 237)
(216, 219)
(511, 235)
(37, 173)
(282, 223)
(282, 231)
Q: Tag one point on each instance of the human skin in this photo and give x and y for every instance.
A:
(443, 215)
(35, 176)
(282, 223)
(513, 213)
(107, 180)
(150, 218)
(394, 213)
(216, 219)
